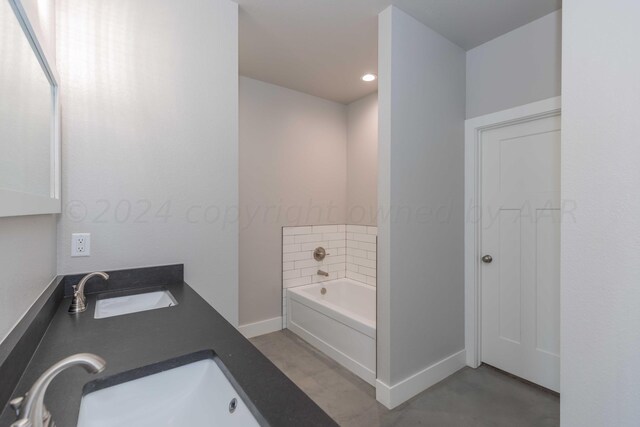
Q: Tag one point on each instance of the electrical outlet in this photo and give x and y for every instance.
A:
(80, 244)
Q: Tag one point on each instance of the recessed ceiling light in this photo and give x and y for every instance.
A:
(369, 77)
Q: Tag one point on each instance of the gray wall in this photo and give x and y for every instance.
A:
(420, 245)
(293, 171)
(28, 254)
(362, 160)
(600, 244)
(28, 243)
(150, 128)
(517, 68)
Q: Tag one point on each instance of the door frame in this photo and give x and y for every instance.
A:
(474, 129)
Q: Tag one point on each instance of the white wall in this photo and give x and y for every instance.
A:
(28, 243)
(420, 245)
(516, 68)
(362, 160)
(150, 138)
(600, 268)
(293, 166)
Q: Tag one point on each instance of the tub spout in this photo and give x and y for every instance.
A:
(323, 273)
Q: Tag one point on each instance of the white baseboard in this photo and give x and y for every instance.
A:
(262, 327)
(392, 396)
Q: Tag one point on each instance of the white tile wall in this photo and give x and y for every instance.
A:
(361, 253)
(351, 253)
(298, 244)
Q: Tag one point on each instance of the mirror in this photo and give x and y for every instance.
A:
(29, 137)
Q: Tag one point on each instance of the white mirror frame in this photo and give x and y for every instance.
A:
(14, 203)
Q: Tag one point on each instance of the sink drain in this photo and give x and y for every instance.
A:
(233, 405)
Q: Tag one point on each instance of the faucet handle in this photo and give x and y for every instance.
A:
(16, 404)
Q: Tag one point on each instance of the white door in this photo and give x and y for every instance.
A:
(521, 233)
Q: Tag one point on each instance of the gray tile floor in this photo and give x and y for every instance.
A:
(470, 397)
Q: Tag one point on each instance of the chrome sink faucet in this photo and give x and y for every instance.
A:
(79, 301)
(30, 409)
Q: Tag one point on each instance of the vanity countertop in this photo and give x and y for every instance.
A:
(139, 339)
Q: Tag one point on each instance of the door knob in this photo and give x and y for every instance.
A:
(487, 259)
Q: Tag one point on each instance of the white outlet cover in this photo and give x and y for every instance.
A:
(80, 244)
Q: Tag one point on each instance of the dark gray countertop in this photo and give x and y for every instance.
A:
(135, 340)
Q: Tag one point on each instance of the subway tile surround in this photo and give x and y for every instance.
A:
(351, 253)
(361, 253)
(298, 243)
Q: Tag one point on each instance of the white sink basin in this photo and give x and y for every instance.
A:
(116, 306)
(197, 394)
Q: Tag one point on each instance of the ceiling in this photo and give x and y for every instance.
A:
(322, 47)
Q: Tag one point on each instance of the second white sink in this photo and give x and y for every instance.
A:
(197, 394)
(116, 306)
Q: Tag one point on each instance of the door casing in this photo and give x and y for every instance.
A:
(473, 202)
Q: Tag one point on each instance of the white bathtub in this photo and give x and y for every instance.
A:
(341, 323)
